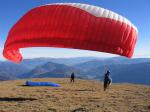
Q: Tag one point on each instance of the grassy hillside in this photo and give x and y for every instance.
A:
(82, 96)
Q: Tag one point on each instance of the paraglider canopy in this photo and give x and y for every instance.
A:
(31, 83)
(71, 25)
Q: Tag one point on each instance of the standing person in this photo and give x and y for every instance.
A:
(107, 80)
(72, 77)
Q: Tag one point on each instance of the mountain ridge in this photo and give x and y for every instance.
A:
(122, 69)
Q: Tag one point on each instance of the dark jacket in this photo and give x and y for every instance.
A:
(72, 76)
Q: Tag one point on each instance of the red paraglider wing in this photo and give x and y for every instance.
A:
(71, 25)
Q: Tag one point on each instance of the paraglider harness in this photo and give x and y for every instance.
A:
(107, 80)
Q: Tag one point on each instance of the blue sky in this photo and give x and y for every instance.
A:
(138, 11)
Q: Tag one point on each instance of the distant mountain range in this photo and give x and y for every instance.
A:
(51, 69)
(122, 69)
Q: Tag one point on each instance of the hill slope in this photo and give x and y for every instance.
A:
(9, 70)
(82, 96)
(131, 73)
(51, 69)
(134, 71)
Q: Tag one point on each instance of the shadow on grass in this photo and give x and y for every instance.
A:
(33, 86)
(79, 110)
(17, 99)
(28, 86)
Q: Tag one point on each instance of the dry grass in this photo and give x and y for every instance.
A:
(82, 96)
